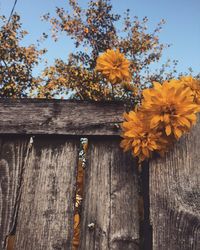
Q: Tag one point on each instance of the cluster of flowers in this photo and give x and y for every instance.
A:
(167, 110)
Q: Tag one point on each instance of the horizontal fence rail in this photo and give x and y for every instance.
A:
(37, 116)
(122, 209)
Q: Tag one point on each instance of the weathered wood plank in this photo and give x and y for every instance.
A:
(110, 199)
(175, 196)
(12, 152)
(47, 204)
(37, 116)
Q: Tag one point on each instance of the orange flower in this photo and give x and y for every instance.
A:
(114, 66)
(139, 137)
(194, 85)
(170, 107)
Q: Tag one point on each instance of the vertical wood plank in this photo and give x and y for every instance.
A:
(47, 205)
(12, 153)
(175, 196)
(110, 207)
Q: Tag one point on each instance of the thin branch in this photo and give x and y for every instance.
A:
(11, 13)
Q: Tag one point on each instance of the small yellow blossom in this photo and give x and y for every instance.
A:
(114, 66)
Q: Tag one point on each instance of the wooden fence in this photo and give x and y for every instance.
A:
(157, 209)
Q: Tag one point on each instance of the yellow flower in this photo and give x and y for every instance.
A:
(170, 107)
(114, 66)
(194, 85)
(139, 137)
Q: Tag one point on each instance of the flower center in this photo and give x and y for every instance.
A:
(117, 64)
(170, 110)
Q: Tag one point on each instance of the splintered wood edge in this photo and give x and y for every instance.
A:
(64, 117)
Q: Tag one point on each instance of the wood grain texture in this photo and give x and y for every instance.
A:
(12, 153)
(175, 196)
(48, 190)
(37, 116)
(110, 199)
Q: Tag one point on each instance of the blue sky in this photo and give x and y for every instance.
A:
(182, 28)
